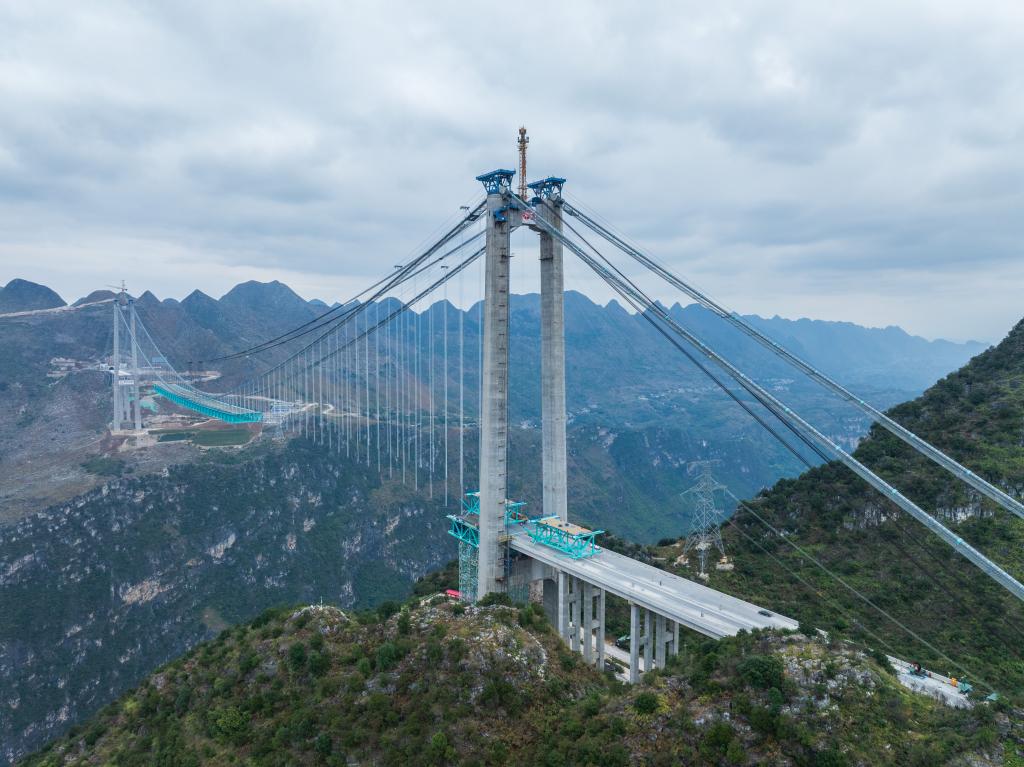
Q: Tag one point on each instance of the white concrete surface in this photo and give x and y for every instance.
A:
(691, 604)
(552, 367)
(934, 685)
(494, 405)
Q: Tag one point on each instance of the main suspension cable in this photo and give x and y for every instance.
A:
(704, 369)
(325, 318)
(985, 564)
(402, 276)
(922, 446)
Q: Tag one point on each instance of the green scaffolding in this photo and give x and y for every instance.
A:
(569, 539)
(465, 528)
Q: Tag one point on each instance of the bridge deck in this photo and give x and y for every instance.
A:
(206, 405)
(690, 604)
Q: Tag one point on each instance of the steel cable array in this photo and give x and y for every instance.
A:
(323, 389)
(626, 288)
(382, 286)
(922, 446)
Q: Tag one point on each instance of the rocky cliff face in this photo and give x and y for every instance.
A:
(98, 592)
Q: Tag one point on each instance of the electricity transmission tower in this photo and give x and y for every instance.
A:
(705, 531)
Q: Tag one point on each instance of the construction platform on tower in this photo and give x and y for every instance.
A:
(570, 549)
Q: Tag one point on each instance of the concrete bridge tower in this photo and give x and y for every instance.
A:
(494, 385)
(552, 349)
(115, 369)
(136, 394)
(122, 399)
(501, 219)
(126, 396)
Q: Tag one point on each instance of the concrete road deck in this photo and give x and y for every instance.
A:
(690, 604)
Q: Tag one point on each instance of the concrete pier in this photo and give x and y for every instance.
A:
(494, 385)
(634, 644)
(552, 368)
(115, 370)
(652, 641)
(581, 617)
(647, 639)
(136, 395)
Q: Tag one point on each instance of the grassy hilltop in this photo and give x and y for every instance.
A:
(436, 685)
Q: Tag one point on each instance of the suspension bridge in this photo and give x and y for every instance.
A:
(367, 378)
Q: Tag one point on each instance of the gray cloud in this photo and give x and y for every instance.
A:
(859, 162)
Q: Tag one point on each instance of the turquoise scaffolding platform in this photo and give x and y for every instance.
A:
(463, 528)
(575, 541)
(207, 405)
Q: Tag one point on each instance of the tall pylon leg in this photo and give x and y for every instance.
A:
(136, 399)
(115, 370)
(634, 643)
(552, 343)
(494, 415)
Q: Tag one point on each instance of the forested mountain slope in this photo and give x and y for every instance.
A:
(100, 590)
(621, 376)
(441, 685)
(97, 593)
(971, 625)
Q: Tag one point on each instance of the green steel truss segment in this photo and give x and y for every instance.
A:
(514, 514)
(576, 545)
(207, 406)
(463, 530)
(465, 526)
(471, 503)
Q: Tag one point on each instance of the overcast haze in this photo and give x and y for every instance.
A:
(864, 164)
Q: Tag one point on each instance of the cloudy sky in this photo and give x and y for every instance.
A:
(794, 158)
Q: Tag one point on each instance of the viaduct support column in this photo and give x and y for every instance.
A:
(634, 643)
(552, 350)
(494, 385)
(563, 605)
(575, 606)
(660, 642)
(587, 622)
(648, 640)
